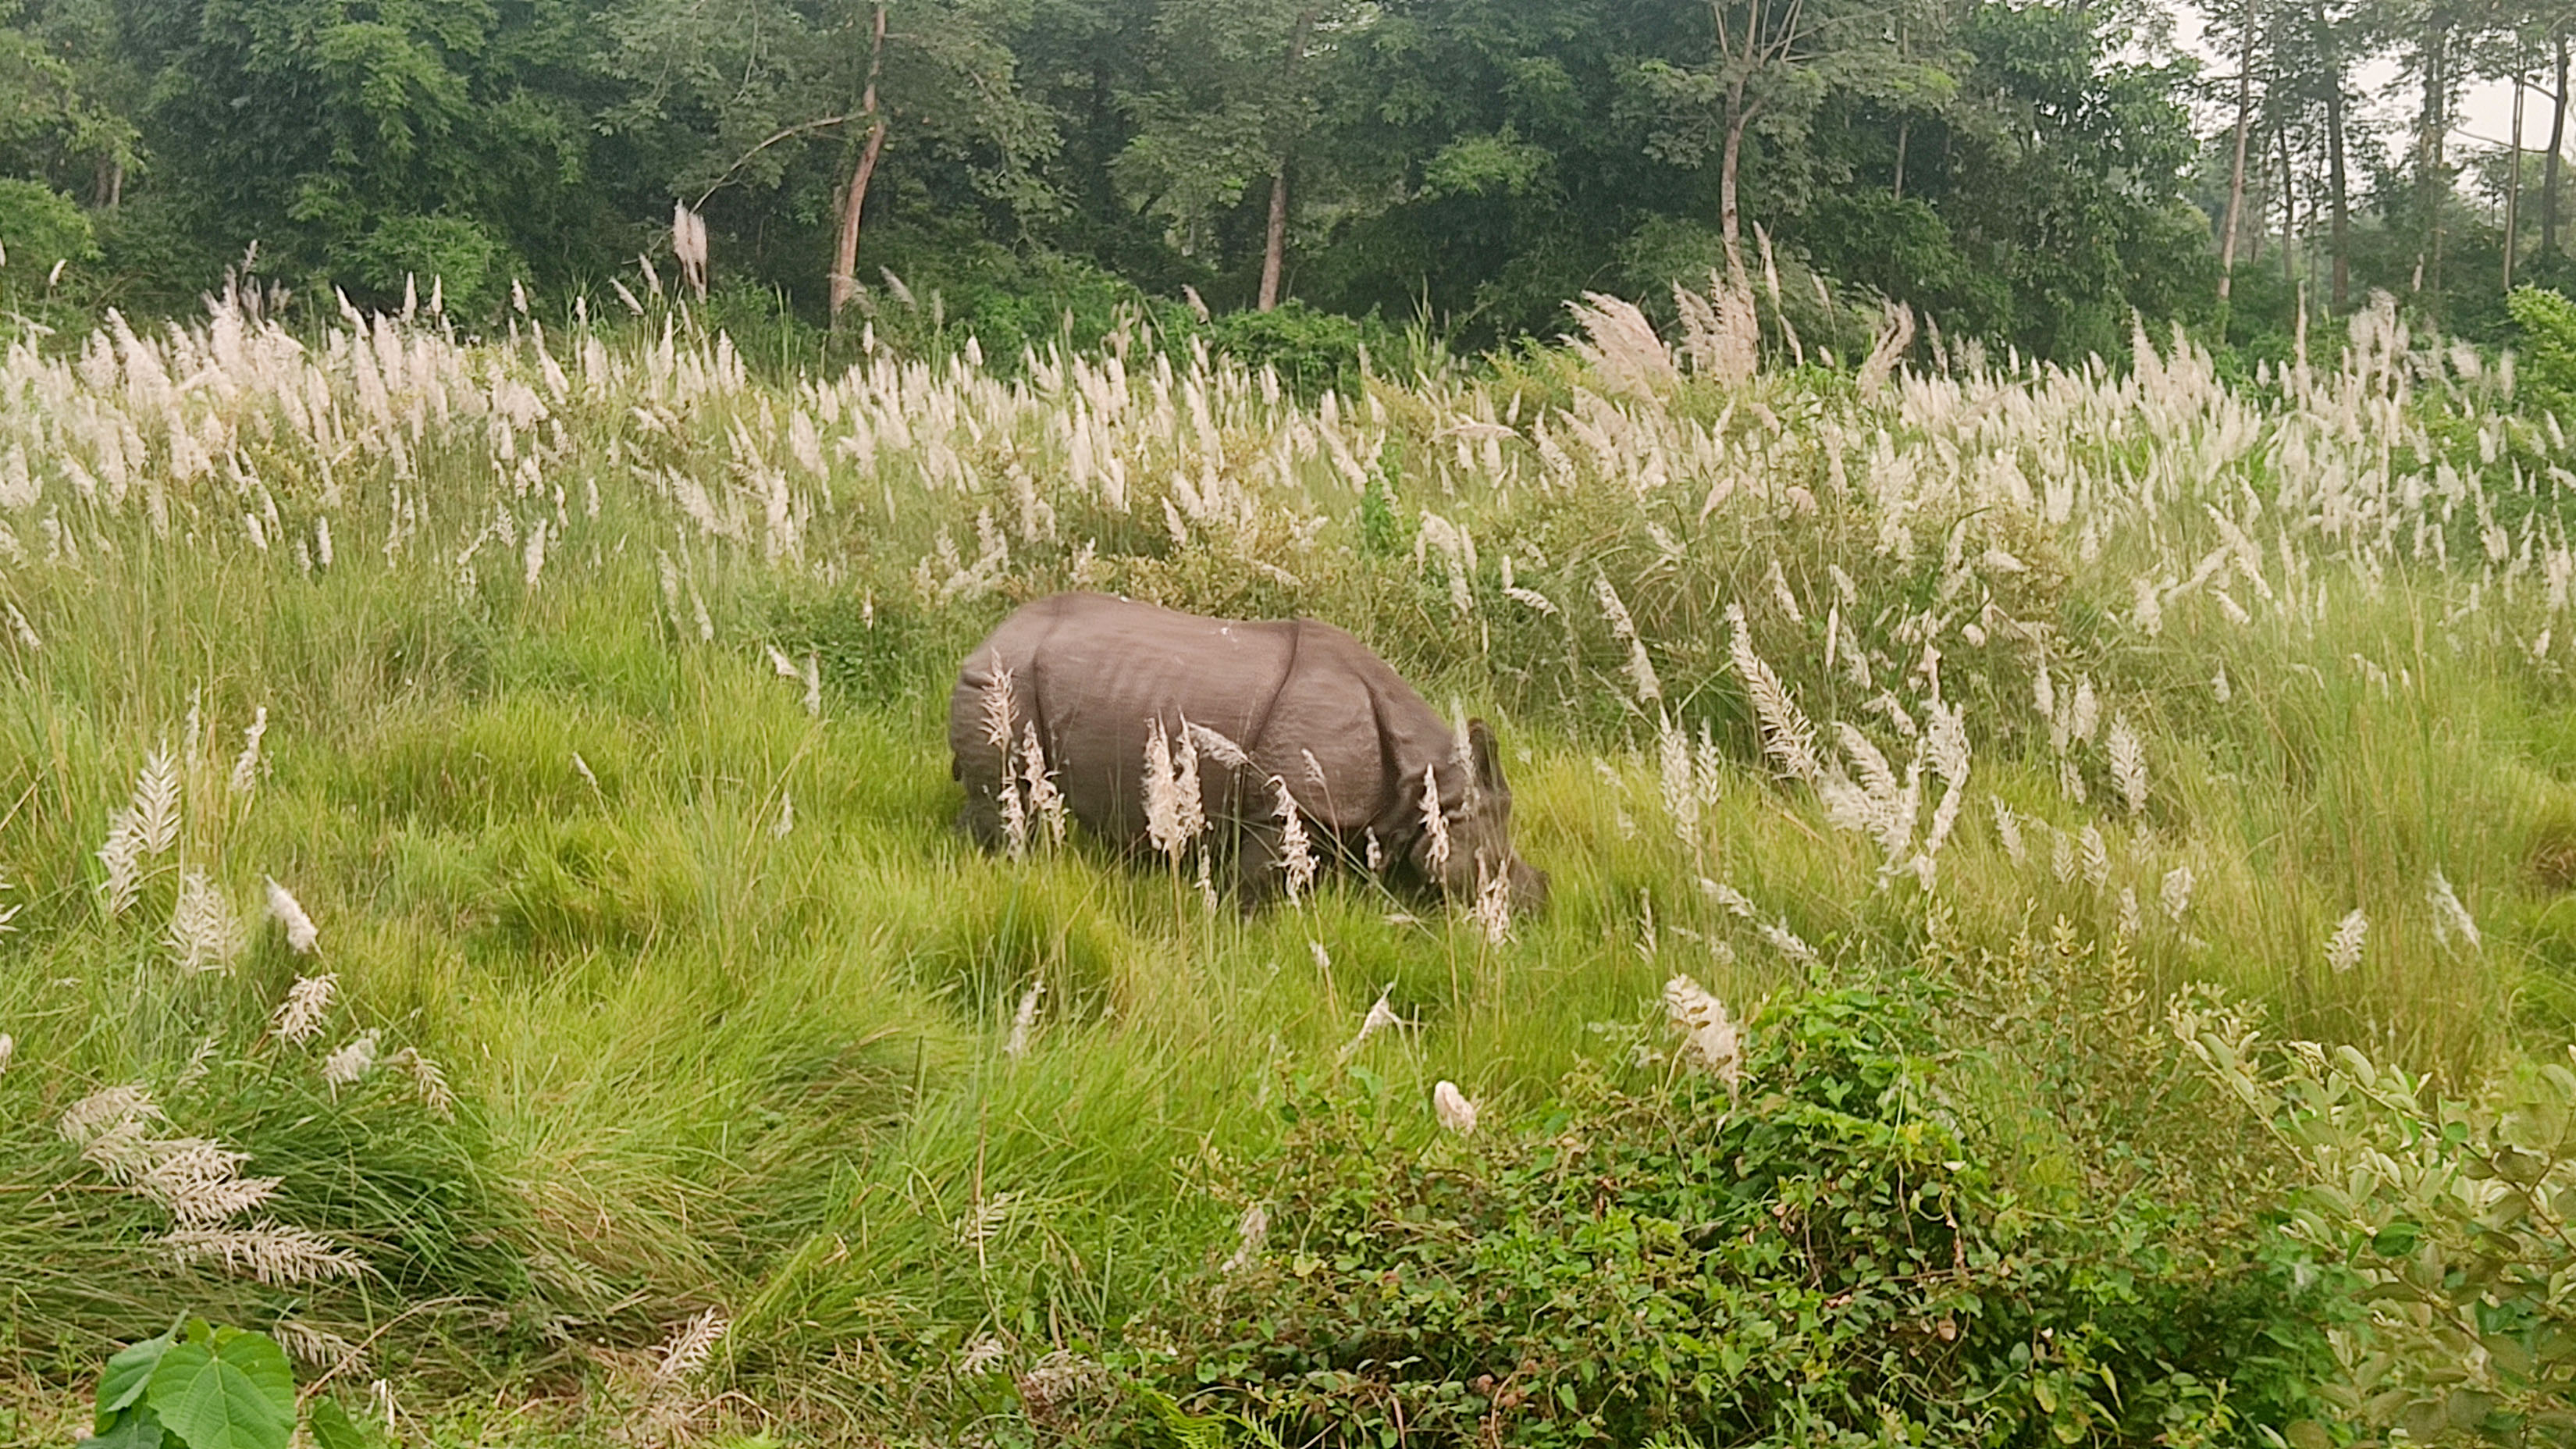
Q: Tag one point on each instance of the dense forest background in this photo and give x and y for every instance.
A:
(2026, 174)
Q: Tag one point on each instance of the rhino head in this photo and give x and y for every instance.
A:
(1476, 811)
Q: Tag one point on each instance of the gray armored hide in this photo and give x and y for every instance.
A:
(1297, 703)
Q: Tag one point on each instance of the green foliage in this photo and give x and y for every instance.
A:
(41, 226)
(1828, 1259)
(2548, 323)
(1312, 351)
(462, 256)
(40, 229)
(2455, 1211)
(198, 1387)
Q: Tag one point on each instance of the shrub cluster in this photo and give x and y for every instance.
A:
(1829, 1258)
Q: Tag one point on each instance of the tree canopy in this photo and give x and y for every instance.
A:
(2034, 174)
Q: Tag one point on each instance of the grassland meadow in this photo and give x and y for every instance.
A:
(2064, 921)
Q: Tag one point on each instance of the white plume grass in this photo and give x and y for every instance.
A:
(2343, 948)
(1380, 1017)
(1451, 1106)
(283, 908)
(248, 764)
(300, 1017)
(204, 934)
(1712, 1041)
(350, 1064)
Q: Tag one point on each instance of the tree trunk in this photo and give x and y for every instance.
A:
(2429, 146)
(1904, 123)
(2513, 183)
(2557, 143)
(845, 255)
(2289, 209)
(1730, 160)
(2236, 174)
(1274, 242)
(2335, 182)
(1274, 247)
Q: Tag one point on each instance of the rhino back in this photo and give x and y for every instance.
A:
(1303, 698)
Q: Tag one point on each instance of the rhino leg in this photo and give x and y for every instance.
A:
(1256, 865)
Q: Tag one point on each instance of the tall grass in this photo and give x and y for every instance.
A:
(723, 1004)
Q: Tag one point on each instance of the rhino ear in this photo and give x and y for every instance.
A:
(1489, 764)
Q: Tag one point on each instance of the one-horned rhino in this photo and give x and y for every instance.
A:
(1372, 771)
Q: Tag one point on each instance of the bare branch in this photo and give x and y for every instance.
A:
(743, 160)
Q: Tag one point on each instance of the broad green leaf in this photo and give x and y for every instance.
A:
(333, 1428)
(227, 1390)
(128, 1375)
(135, 1428)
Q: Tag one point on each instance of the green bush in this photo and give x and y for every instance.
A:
(41, 228)
(2455, 1213)
(470, 264)
(1828, 1260)
(1311, 350)
(2548, 323)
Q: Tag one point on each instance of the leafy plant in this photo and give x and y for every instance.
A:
(2459, 1215)
(2548, 323)
(1826, 1260)
(203, 1387)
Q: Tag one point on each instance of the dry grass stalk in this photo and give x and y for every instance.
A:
(1712, 1042)
(307, 1006)
(283, 908)
(1622, 346)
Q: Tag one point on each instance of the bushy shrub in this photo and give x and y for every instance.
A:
(1311, 350)
(1827, 1259)
(469, 263)
(46, 235)
(2455, 1212)
(2548, 324)
(40, 227)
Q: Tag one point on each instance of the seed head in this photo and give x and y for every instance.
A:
(1454, 1110)
(286, 911)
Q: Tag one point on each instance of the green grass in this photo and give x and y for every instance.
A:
(701, 1063)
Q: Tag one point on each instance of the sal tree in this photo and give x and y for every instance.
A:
(761, 111)
(1232, 98)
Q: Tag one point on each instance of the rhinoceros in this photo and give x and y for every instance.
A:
(1280, 714)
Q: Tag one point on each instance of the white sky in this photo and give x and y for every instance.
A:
(2486, 110)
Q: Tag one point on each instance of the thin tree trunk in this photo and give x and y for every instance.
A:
(1905, 123)
(1739, 117)
(2289, 209)
(2557, 143)
(2513, 183)
(2236, 174)
(1274, 242)
(1274, 246)
(845, 255)
(2335, 182)
(2428, 157)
